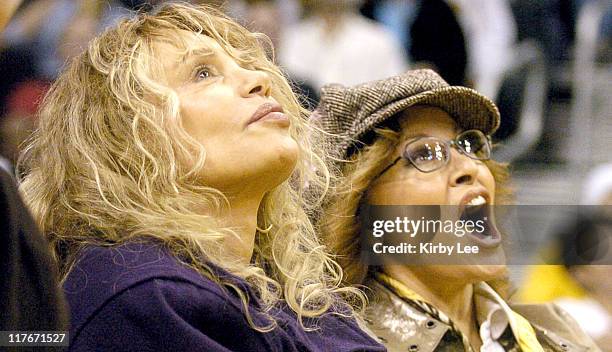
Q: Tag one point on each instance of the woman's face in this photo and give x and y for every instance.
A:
(456, 183)
(229, 111)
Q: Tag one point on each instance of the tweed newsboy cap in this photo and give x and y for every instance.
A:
(352, 113)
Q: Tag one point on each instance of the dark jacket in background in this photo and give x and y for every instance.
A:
(30, 298)
(437, 38)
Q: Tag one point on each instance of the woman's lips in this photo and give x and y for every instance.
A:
(268, 111)
(475, 205)
(483, 218)
(474, 193)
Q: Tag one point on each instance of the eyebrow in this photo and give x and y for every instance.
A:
(415, 136)
(197, 52)
(457, 130)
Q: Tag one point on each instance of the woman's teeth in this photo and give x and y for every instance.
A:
(476, 201)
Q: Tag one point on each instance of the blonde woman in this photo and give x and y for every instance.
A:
(167, 173)
(413, 140)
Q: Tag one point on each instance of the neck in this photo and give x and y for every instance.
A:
(455, 299)
(241, 217)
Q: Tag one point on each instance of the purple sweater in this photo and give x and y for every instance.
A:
(138, 297)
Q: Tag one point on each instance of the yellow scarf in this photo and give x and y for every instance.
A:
(522, 330)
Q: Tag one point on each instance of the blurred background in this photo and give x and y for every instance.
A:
(546, 63)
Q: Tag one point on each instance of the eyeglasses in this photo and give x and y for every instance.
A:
(429, 154)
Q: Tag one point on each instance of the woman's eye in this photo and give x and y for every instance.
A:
(204, 73)
(423, 153)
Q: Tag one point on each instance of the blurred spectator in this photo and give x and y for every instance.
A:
(490, 31)
(550, 22)
(38, 41)
(598, 186)
(20, 119)
(604, 54)
(582, 286)
(6, 12)
(335, 44)
(437, 39)
(30, 297)
(47, 33)
(272, 18)
(429, 32)
(264, 17)
(54, 29)
(396, 15)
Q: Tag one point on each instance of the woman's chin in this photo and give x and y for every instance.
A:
(480, 273)
(468, 273)
(283, 161)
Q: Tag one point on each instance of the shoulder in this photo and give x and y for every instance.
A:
(15, 215)
(556, 325)
(399, 324)
(139, 297)
(142, 298)
(167, 314)
(102, 272)
(29, 291)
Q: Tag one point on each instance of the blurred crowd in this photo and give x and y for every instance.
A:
(476, 43)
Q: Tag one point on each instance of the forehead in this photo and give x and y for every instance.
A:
(427, 120)
(175, 51)
(180, 45)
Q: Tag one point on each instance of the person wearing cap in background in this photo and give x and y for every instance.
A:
(414, 140)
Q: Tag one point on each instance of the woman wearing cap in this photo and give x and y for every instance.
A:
(414, 140)
(167, 173)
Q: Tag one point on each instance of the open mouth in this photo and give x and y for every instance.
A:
(480, 213)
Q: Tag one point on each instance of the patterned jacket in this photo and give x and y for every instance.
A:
(403, 326)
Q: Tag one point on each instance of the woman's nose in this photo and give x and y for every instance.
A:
(464, 169)
(254, 83)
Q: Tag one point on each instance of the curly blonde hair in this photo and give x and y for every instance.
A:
(340, 222)
(110, 162)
